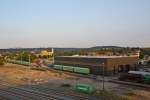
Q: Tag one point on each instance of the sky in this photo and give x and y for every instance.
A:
(74, 23)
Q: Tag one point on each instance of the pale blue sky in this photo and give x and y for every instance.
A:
(74, 23)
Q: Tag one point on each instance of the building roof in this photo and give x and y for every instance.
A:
(97, 56)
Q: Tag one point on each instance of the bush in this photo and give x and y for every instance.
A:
(65, 85)
(25, 56)
(2, 61)
(39, 69)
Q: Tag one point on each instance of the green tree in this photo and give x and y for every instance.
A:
(24, 56)
(141, 55)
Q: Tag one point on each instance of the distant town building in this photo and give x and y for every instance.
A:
(46, 54)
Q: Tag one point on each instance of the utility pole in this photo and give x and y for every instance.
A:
(103, 65)
(29, 70)
(53, 55)
(29, 60)
(21, 58)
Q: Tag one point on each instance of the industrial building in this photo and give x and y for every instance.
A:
(110, 65)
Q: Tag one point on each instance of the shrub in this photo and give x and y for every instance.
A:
(2, 61)
(65, 85)
(39, 69)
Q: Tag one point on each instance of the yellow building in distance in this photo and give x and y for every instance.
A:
(46, 54)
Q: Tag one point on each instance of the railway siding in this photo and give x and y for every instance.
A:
(145, 86)
(15, 93)
(26, 94)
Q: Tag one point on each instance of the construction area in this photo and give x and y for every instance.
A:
(60, 86)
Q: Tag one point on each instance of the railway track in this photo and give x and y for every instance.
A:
(14, 93)
(46, 89)
(73, 74)
(35, 93)
(3, 98)
(12, 96)
(131, 84)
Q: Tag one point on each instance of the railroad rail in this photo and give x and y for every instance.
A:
(72, 73)
(132, 84)
(15, 93)
(24, 93)
(3, 98)
(142, 86)
(45, 89)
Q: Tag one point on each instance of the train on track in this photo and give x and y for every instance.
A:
(72, 69)
(25, 63)
(136, 76)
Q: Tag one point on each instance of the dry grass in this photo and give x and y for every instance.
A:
(139, 95)
(17, 74)
(108, 95)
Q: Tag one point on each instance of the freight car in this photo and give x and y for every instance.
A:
(147, 79)
(25, 63)
(139, 73)
(50, 65)
(58, 67)
(85, 88)
(72, 69)
(81, 70)
(68, 68)
(137, 78)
